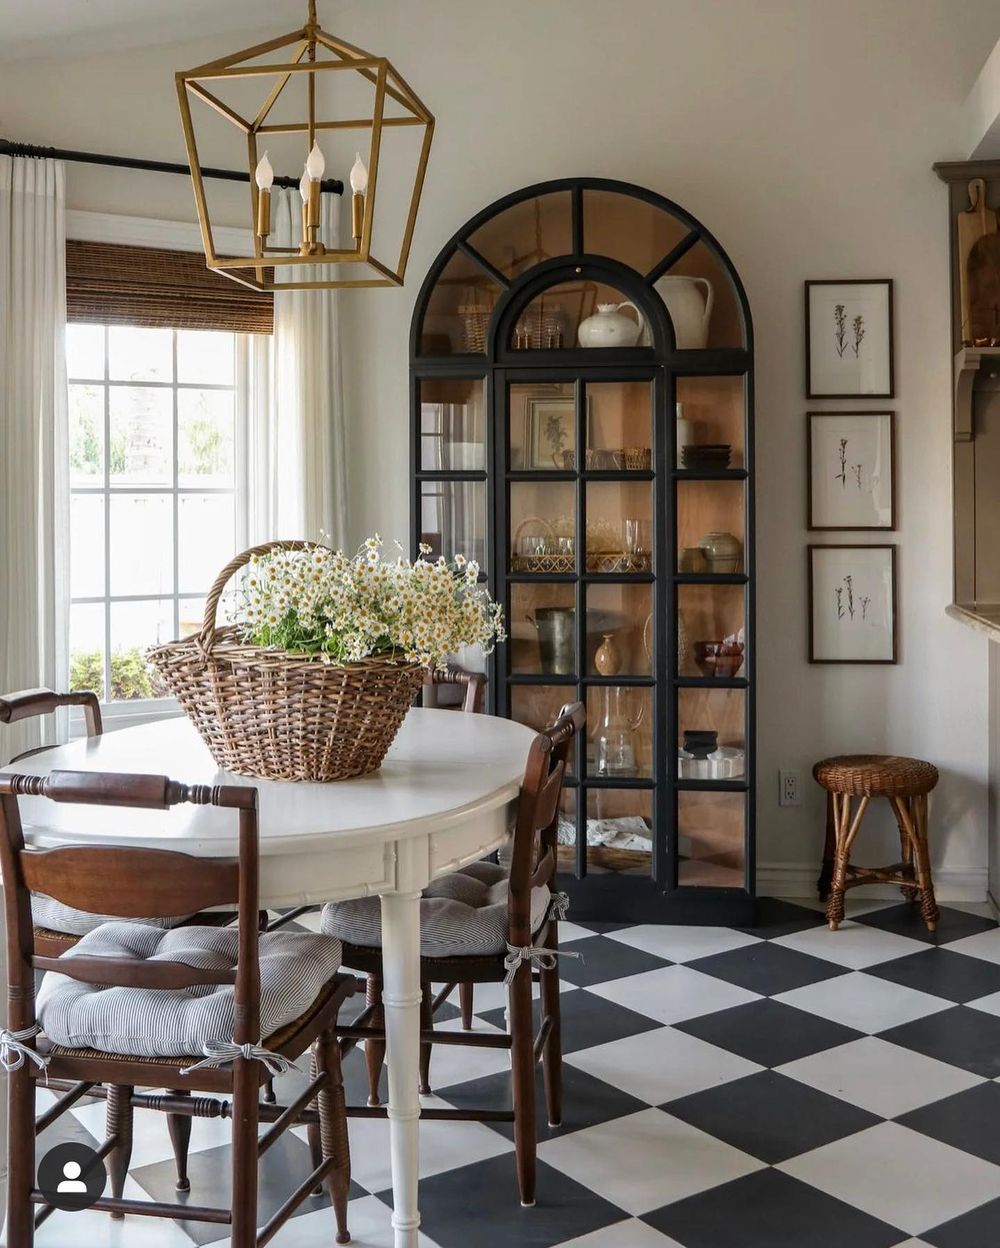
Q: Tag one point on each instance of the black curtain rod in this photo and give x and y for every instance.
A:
(8, 147)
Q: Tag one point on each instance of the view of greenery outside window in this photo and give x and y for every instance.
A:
(152, 418)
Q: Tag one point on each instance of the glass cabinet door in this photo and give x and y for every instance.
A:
(451, 461)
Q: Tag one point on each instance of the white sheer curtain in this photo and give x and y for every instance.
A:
(34, 463)
(298, 482)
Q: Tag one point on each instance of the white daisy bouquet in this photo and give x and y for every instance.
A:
(344, 608)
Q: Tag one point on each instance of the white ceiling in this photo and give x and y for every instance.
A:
(37, 28)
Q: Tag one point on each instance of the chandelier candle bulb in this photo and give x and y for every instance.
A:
(359, 184)
(264, 177)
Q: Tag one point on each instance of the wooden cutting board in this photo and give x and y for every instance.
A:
(979, 269)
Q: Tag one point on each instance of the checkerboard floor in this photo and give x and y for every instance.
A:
(776, 1086)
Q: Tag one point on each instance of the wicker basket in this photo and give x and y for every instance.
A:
(279, 716)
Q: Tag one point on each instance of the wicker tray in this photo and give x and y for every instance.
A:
(279, 716)
(599, 561)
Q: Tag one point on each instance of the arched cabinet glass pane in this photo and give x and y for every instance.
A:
(582, 422)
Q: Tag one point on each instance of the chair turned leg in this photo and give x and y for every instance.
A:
(119, 1124)
(523, 1070)
(333, 1129)
(426, 1024)
(179, 1127)
(21, 1162)
(829, 850)
(552, 1052)
(466, 1000)
(312, 1130)
(842, 818)
(375, 1049)
(246, 1116)
(925, 881)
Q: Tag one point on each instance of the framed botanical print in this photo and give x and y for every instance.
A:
(849, 346)
(852, 604)
(550, 436)
(851, 470)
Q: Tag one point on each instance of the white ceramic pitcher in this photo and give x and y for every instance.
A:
(689, 311)
(610, 327)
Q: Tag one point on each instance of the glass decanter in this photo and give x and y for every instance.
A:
(615, 751)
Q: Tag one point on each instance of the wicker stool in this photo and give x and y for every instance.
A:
(906, 783)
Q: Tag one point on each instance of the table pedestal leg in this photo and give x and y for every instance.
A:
(401, 997)
(3, 1078)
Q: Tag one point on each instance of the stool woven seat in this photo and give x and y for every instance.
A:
(886, 775)
(905, 783)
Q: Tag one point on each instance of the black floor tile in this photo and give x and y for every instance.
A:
(768, 1033)
(771, 1117)
(767, 968)
(602, 960)
(587, 1020)
(479, 1205)
(769, 1209)
(969, 1121)
(905, 920)
(776, 917)
(943, 973)
(586, 1101)
(962, 1037)
(980, 1228)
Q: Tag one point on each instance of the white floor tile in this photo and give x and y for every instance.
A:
(459, 1063)
(150, 1137)
(368, 1220)
(572, 931)
(682, 944)
(646, 1160)
(93, 1229)
(662, 1065)
(853, 903)
(672, 994)
(488, 997)
(443, 1146)
(988, 1005)
(878, 1076)
(853, 944)
(985, 945)
(629, 1234)
(913, 1243)
(864, 1002)
(895, 1174)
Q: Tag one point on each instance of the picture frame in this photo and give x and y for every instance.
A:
(853, 604)
(849, 339)
(550, 431)
(851, 471)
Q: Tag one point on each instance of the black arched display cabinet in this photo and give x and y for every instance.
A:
(582, 425)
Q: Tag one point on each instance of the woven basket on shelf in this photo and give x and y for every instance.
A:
(280, 716)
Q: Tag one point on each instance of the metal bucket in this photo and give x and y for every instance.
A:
(556, 628)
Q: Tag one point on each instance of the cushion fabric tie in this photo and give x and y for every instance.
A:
(558, 907)
(541, 958)
(13, 1051)
(223, 1052)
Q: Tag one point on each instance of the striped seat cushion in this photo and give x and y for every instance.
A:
(55, 917)
(463, 914)
(155, 1022)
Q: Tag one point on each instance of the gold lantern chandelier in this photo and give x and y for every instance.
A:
(317, 57)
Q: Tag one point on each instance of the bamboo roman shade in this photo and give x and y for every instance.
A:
(114, 284)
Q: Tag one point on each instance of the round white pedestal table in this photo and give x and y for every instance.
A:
(442, 798)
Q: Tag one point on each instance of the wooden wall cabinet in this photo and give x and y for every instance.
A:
(556, 466)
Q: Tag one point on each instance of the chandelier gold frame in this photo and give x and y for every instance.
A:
(260, 270)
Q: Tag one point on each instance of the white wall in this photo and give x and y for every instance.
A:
(802, 133)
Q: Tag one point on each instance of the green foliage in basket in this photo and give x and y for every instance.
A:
(345, 608)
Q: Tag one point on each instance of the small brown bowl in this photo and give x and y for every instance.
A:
(718, 658)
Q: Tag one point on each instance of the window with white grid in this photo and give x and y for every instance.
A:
(153, 448)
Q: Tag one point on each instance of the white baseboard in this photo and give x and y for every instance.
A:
(798, 879)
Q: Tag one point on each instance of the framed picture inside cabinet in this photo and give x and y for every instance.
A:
(851, 470)
(849, 346)
(852, 604)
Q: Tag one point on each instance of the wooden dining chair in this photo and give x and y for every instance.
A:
(481, 925)
(201, 1009)
(59, 927)
(472, 686)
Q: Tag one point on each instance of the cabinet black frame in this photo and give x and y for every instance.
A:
(659, 897)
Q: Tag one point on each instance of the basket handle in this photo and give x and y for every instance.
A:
(546, 524)
(206, 637)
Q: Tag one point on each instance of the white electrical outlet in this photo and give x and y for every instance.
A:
(789, 788)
